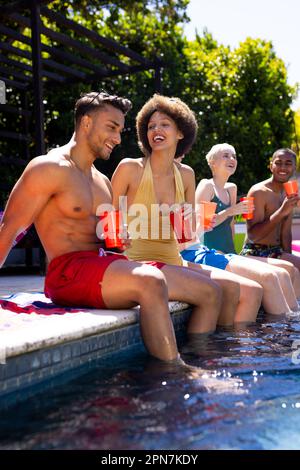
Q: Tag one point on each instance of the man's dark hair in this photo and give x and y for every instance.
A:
(286, 151)
(93, 101)
(177, 110)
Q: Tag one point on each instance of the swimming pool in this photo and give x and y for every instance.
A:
(132, 402)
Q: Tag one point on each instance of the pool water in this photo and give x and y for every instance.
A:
(250, 400)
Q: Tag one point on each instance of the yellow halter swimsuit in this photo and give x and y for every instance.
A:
(153, 240)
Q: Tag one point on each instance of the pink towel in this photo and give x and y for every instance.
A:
(24, 302)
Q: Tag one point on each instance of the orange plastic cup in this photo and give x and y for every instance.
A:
(182, 226)
(250, 200)
(113, 229)
(207, 212)
(291, 188)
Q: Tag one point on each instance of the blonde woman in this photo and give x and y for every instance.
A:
(276, 276)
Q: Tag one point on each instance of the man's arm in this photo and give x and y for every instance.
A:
(286, 234)
(261, 225)
(28, 197)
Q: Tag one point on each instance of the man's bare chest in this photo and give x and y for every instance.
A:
(80, 197)
(273, 202)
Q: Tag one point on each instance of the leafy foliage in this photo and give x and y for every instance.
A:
(296, 143)
(239, 96)
(242, 97)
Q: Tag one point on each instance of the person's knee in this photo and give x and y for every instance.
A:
(151, 283)
(289, 268)
(284, 276)
(269, 279)
(252, 295)
(215, 292)
(257, 292)
(210, 292)
(294, 273)
(231, 289)
(288, 273)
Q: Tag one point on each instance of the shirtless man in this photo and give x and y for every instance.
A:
(270, 230)
(60, 193)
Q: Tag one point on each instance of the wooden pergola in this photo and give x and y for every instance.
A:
(30, 72)
(66, 63)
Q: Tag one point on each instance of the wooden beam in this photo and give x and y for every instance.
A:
(15, 50)
(14, 110)
(14, 135)
(46, 62)
(14, 74)
(14, 83)
(74, 43)
(64, 68)
(95, 37)
(53, 76)
(64, 55)
(19, 5)
(37, 76)
(16, 160)
(116, 73)
(14, 34)
(15, 63)
(86, 50)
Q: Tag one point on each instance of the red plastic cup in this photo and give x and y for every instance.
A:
(207, 212)
(113, 229)
(250, 200)
(291, 188)
(182, 225)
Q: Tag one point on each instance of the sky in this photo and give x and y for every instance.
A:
(232, 21)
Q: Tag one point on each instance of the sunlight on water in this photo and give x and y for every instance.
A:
(245, 395)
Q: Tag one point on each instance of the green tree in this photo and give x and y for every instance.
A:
(147, 27)
(241, 97)
(296, 143)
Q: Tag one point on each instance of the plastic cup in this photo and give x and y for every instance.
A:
(207, 212)
(250, 200)
(113, 229)
(182, 225)
(291, 188)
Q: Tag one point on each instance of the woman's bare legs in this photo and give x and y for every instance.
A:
(241, 296)
(288, 266)
(126, 284)
(195, 288)
(278, 293)
(295, 260)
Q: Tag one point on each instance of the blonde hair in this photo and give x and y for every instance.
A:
(210, 157)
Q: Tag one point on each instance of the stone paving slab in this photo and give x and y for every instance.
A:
(21, 333)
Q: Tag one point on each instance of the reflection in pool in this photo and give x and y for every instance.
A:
(250, 400)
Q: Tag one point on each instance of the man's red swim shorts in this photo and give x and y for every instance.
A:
(74, 279)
